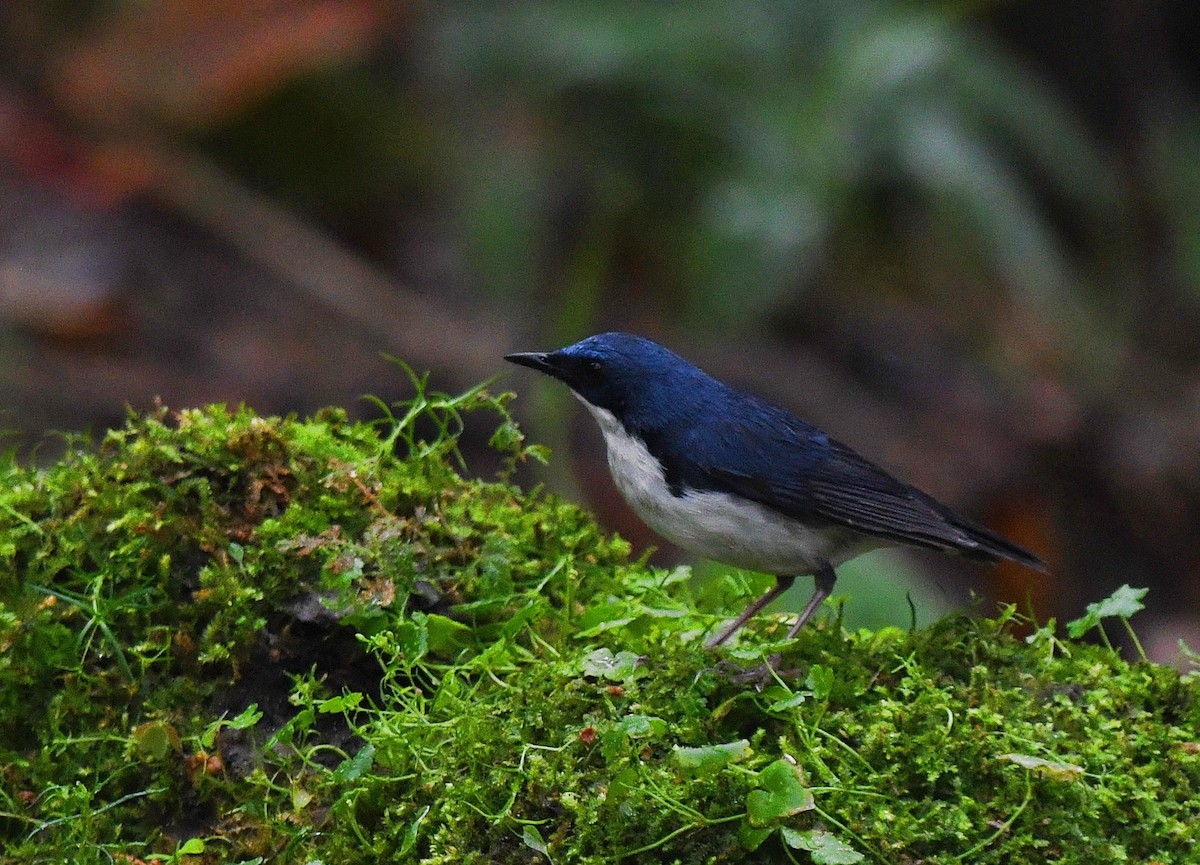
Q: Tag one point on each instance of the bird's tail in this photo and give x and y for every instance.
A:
(982, 544)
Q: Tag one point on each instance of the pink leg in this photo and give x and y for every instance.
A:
(824, 581)
(782, 584)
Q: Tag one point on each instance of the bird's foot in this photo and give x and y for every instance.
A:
(760, 676)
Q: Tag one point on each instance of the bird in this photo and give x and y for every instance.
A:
(730, 476)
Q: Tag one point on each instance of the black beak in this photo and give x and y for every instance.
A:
(538, 360)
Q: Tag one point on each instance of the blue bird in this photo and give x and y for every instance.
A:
(732, 477)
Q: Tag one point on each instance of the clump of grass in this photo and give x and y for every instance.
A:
(240, 639)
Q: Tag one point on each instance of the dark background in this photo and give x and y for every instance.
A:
(964, 237)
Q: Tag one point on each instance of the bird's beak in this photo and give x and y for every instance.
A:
(538, 360)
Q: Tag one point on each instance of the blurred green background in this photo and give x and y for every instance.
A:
(964, 237)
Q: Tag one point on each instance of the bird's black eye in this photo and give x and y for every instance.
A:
(595, 365)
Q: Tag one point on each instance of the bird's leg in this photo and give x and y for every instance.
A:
(823, 581)
(782, 584)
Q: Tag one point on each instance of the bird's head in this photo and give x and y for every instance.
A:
(615, 371)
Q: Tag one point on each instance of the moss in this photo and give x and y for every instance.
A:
(232, 638)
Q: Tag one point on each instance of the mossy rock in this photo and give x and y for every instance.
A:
(228, 638)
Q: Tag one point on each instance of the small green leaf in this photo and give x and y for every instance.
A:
(300, 723)
(446, 635)
(606, 625)
(1049, 768)
(412, 831)
(533, 840)
(621, 785)
(155, 739)
(781, 794)
(751, 837)
(710, 759)
(789, 702)
(412, 637)
(1123, 603)
(352, 768)
(820, 682)
(825, 848)
(300, 798)
(681, 574)
(191, 847)
(246, 719)
(652, 578)
(642, 726)
(603, 664)
(341, 703)
(507, 438)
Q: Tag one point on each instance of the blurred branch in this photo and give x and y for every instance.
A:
(127, 86)
(418, 326)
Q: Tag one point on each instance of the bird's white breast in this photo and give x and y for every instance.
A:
(719, 526)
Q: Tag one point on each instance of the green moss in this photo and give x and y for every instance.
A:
(233, 638)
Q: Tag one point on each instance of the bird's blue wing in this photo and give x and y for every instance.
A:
(771, 457)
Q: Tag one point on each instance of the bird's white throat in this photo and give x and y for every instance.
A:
(719, 526)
